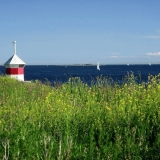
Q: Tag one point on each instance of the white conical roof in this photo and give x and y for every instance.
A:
(14, 60)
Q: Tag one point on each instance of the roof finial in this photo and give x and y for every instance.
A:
(14, 45)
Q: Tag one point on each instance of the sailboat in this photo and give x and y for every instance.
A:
(98, 68)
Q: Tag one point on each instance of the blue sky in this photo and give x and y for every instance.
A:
(81, 31)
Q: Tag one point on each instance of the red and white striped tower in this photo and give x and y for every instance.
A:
(15, 66)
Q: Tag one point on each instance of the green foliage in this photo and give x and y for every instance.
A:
(76, 121)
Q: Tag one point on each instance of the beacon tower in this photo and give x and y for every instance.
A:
(15, 66)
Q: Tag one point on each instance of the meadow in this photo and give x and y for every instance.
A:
(73, 120)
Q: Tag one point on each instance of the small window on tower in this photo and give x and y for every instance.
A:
(21, 65)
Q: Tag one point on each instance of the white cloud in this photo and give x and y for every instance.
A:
(153, 54)
(153, 37)
(113, 56)
(120, 56)
(115, 53)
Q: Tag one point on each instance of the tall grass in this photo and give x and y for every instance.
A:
(74, 120)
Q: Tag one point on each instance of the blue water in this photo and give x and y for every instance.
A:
(86, 73)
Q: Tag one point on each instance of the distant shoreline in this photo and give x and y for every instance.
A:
(86, 64)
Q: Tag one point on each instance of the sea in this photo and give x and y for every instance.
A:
(87, 73)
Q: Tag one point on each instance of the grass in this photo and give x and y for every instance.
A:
(104, 120)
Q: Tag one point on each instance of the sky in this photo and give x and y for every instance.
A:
(60, 32)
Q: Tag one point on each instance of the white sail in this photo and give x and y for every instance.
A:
(98, 68)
